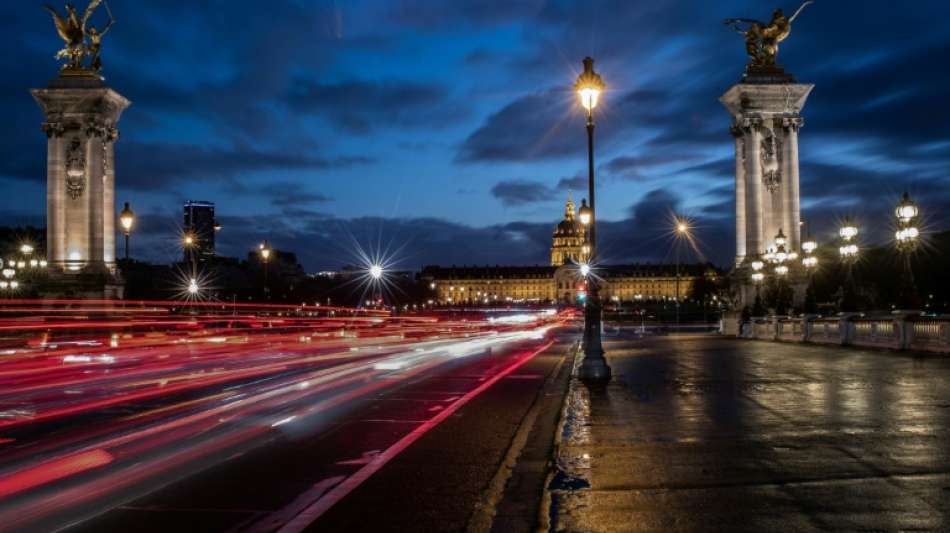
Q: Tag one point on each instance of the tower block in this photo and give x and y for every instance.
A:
(82, 114)
(766, 118)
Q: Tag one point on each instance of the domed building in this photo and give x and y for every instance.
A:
(561, 282)
(569, 237)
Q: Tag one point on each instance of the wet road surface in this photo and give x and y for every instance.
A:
(713, 434)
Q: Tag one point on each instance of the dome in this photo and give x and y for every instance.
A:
(569, 228)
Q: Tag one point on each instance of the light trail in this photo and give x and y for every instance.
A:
(95, 413)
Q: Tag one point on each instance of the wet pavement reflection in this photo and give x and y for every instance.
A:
(713, 434)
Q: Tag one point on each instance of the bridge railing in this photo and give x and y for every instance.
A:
(897, 332)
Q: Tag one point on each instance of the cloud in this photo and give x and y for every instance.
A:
(360, 106)
(154, 166)
(519, 192)
(529, 128)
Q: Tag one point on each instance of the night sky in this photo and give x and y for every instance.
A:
(447, 130)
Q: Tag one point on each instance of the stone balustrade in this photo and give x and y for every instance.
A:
(896, 332)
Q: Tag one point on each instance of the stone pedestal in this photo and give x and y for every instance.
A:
(766, 108)
(81, 118)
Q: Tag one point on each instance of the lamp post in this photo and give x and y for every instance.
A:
(589, 85)
(907, 236)
(585, 214)
(188, 243)
(265, 257)
(682, 230)
(849, 254)
(127, 220)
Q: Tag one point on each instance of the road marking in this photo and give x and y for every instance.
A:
(325, 501)
(300, 503)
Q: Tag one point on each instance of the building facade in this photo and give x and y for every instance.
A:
(199, 223)
(561, 282)
(562, 285)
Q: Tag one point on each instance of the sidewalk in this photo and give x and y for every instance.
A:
(712, 434)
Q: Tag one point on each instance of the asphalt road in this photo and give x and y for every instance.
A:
(712, 434)
(164, 422)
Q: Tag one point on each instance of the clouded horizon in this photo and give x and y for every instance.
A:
(448, 130)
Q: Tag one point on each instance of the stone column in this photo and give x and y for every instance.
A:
(738, 134)
(81, 117)
(791, 182)
(755, 243)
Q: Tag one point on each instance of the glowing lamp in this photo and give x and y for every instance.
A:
(589, 85)
(848, 231)
(585, 270)
(126, 218)
(376, 272)
(809, 246)
(585, 213)
(780, 239)
(906, 210)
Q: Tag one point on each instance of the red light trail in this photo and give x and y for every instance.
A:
(102, 402)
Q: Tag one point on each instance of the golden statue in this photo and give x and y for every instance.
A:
(81, 43)
(761, 39)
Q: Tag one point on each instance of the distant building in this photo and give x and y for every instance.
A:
(199, 224)
(569, 239)
(561, 282)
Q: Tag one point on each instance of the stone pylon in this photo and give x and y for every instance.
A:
(766, 113)
(81, 118)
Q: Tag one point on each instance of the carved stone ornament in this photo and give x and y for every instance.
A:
(54, 129)
(75, 168)
(771, 173)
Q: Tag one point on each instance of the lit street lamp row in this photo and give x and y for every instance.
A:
(907, 237)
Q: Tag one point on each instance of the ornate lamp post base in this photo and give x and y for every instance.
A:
(594, 368)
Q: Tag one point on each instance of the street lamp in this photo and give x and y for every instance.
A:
(849, 254)
(265, 256)
(376, 272)
(589, 85)
(584, 213)
(585, 270)
(682, 230)
(26, 249)
(907, 236)
(127, 220)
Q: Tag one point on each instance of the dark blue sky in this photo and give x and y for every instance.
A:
(449, 128)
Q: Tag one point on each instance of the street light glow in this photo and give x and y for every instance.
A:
(193, 286)
(809, 246)
(585, 269)
(589, 85)
(26, 249)
(376, 272)
(907, 209)
(848, 231)
(127, 218)
(584, 213)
